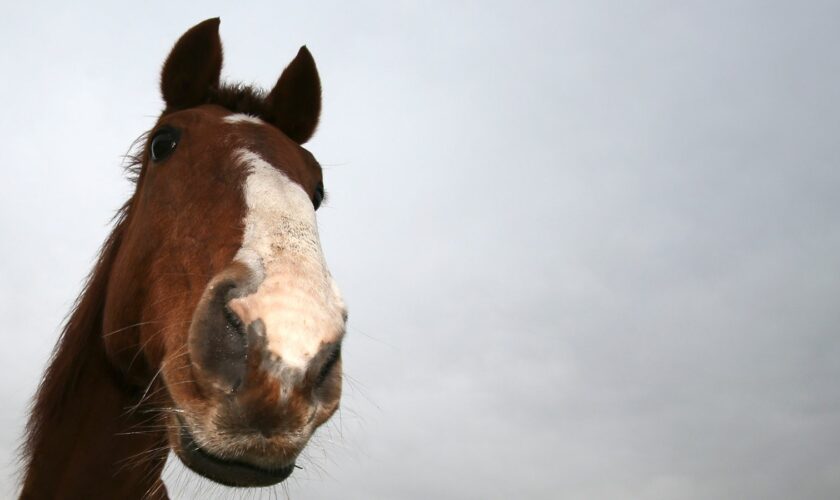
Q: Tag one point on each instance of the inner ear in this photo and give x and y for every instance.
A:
(294, 103)
(193, 67)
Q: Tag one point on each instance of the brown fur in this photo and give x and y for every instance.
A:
(105, 414)
(81, 404)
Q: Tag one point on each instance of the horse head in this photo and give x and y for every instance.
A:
(219, 299)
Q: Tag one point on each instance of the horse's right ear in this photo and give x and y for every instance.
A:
(193, 67)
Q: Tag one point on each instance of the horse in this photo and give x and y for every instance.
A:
(210, 324)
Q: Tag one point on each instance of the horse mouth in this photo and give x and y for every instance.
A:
(225, 471)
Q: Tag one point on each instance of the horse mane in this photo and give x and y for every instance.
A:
(76, 346)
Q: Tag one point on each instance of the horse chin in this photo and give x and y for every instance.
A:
(229, 472)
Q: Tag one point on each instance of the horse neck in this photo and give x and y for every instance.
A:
(83, 440)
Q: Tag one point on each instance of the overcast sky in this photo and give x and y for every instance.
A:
(591, 250)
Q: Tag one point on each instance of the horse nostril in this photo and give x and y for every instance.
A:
(234, 322)
(218, 340)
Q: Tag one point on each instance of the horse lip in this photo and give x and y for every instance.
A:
(224, 471)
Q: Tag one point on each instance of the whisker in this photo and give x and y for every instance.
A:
(131, 326)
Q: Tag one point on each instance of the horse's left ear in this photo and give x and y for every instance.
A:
(193, 67)
(294, 103)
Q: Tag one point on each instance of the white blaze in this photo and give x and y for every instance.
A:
(297, 299)
(242, 117)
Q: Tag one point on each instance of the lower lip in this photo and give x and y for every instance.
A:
(227, 472)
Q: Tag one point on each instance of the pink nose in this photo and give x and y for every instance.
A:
(230, 354)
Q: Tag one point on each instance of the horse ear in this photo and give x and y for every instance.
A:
(294, 103)
(193, 67)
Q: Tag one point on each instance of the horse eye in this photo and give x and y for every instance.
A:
(163, 143)
(319, 195)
